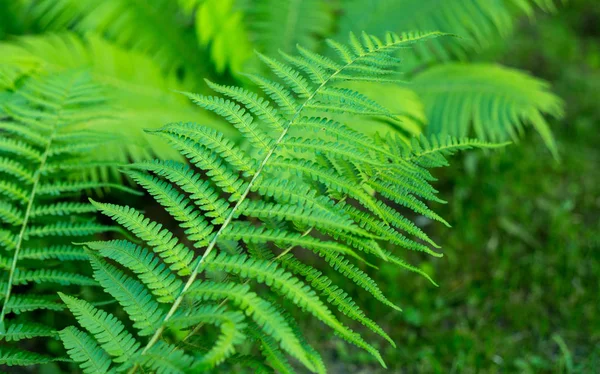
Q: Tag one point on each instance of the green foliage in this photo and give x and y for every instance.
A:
(477, 22)
(282, 25)
(187, 32)
(489, 101)
(150, 28)
(44, 126)
(284, 209)
(256, 200)
(139, 91)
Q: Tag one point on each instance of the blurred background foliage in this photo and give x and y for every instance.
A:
(519, 285)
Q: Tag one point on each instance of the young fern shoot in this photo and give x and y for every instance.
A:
(307, 183)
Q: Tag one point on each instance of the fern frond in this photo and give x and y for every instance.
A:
(145, 313)
(15, 357)
(235, 115)
(432, 151)
(37, 117)
(82, 348)
(494, 103)
(164, 242)
(16, 169)
(105, 328)
(335, 296)
(165, 359)
(331, 192)
(10, 214)
(260, 310)
(154, 274)
(61, 209)
(272, 353)
(231, 325)
(66, 228)
(201, 192)
(16, 332)
(477, 22)
(148, 28)
(60, 252)
(281, 25)
(20, 304)
(221, 26)
(139, 88)
(51, 276)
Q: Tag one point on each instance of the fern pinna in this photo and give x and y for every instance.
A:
(303, 181)
(43, 139)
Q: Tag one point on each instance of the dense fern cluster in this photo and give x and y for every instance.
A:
(305, 184)
(44, 143)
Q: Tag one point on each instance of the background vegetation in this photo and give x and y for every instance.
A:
(518, 283)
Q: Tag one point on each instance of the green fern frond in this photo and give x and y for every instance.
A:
(272, 353)
(106, 329)
(51, 276)
(293, 189)
(335, 296)
(60, 252)
(432, 151)
(492, 102)
(145, 313)
(140, 91)
(154, 274)
(163, 241)
(20, 304)
(82, 348)
(147, 28)
(292, 288)
(281, 25)
(35, 122)
(220, 25)
(260, 310)
(231, 324)
(477, 23)
(16, 332)
(166, 359)
(15, 357)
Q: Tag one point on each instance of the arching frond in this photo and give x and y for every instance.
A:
(493, 103)
(309, 184)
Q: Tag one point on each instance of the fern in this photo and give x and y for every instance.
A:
(40, 129)
(477, 22)
(220, 25)
(139, 91)
(151, 28)
(491, 102)
(294, 188)
(281, 25)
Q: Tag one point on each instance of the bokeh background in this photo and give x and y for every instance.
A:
(519, 285)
